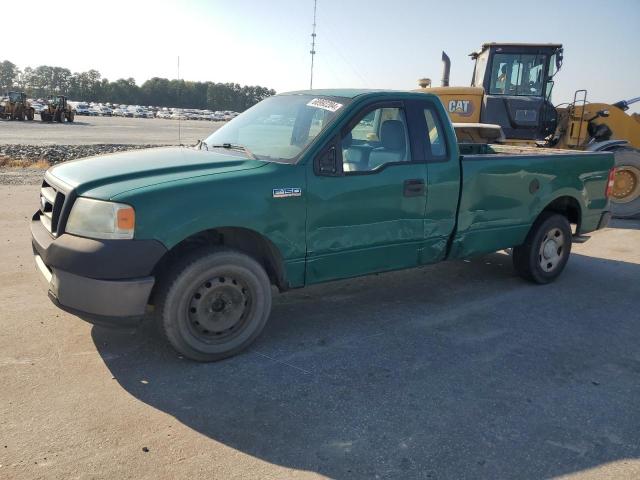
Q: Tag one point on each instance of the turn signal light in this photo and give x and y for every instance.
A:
(126, 218)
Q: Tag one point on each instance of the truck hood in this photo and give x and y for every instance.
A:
(105, 176)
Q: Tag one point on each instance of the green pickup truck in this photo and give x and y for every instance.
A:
(304, 187)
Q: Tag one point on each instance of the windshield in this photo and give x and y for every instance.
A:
(516, 74)
(280, 127)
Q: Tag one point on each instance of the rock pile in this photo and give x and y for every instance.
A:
(60, 153)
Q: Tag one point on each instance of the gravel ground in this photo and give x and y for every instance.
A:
(59, 153)
(107, 130)
(20, 176)
(51, 154)
(458, 370)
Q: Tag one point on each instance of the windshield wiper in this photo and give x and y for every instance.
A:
(202, 145)
(232, 146)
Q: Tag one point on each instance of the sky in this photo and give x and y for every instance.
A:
(368, 44)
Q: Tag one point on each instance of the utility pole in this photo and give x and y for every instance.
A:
(313, 42)
(178, 99)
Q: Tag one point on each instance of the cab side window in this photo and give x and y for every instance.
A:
(380, 137)
(435, 135)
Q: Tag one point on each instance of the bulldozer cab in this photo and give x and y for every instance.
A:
(518, 82)
(58, 101)
(17, 97)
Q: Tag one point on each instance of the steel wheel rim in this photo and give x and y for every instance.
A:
(219, 309)
(626, 184)
(552, 250)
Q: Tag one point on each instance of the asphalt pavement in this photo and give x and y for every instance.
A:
(87, 130)
(459, 370)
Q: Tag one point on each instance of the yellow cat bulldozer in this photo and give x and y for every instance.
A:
(16, 107)
(509, 101)
(57, 110)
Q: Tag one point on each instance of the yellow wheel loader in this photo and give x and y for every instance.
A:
(509, 101)
(16, 107)
(57, 110)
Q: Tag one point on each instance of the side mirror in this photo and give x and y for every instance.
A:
(327, 162)
(559, 59)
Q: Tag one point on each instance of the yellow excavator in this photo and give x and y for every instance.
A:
(509, 101)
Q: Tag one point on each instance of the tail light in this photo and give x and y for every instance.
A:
(610, 182)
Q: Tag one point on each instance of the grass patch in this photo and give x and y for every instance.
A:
(9, 162)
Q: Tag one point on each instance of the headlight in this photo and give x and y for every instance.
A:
(98, 219)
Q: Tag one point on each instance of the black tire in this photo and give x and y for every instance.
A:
(71, 117)
(213, 303)
(60, 117)
(627, 176)
(30, 115)
(545, 252)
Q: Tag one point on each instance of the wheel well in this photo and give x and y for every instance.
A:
(242, 239)
(569, 207)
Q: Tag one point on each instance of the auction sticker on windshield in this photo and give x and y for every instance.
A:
(325, 104)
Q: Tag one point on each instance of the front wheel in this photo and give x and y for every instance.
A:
(546, 249)
(214, 304)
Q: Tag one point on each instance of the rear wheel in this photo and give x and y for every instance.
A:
(625, 196)
(546, 250)
(30, 114)
(71, 117)
(214, 304)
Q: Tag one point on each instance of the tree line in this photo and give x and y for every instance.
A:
(91, 87)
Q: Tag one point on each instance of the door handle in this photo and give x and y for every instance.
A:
(414, 187)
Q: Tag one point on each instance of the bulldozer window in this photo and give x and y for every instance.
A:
(479, 69)
(515, 74)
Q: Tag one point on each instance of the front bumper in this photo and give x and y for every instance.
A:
(103, 282)
(112, 303)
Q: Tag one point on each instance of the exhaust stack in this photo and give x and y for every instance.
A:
(446, 69)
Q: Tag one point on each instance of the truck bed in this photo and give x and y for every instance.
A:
(470, 149)
(505, 188)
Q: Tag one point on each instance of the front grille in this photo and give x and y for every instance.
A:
(51, 202)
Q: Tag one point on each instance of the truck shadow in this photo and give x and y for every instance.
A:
(625, 223)
(458, 370)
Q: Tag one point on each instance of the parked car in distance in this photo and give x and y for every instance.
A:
(82, 109)
(37, 107)
(105, 111)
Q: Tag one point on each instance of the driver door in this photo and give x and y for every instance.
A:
(368, 215)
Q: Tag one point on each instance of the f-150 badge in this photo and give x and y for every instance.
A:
(287, 192)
